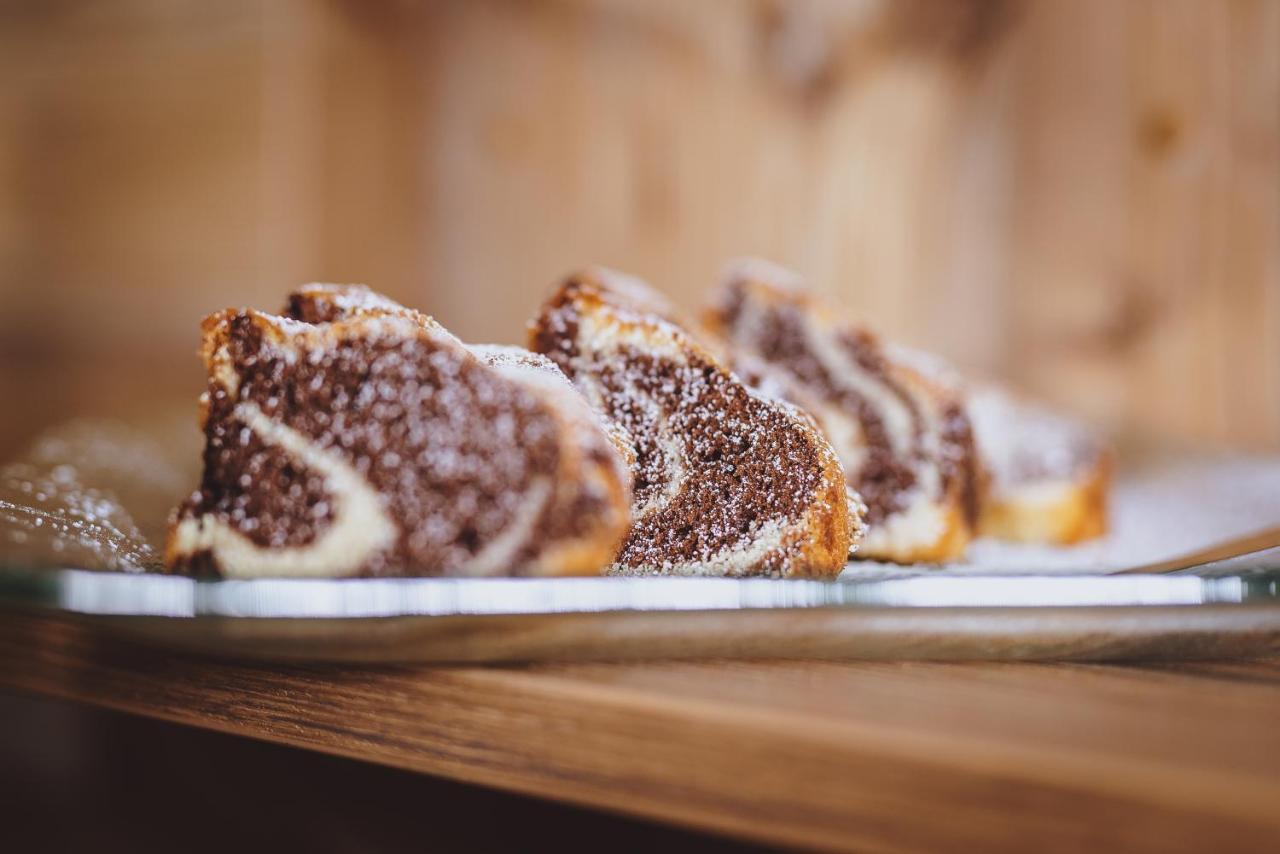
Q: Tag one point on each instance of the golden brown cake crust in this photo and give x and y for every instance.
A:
(1075, 514)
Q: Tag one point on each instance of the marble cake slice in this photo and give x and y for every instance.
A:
(376, 444)
(899, 427)
(727, 482)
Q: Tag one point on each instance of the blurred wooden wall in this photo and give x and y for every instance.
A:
(1080, 196)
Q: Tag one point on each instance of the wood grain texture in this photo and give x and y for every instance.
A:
(1082, 196)
(1146, 239)
(867, 756)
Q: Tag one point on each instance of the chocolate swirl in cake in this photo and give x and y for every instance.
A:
(373, 442)
(727, 482)
(901, 432)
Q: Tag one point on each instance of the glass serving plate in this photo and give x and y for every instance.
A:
(1200, 614)
(93, 497)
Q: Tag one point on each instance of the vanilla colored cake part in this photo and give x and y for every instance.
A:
(900, 430)
(375, 443)
(727, 481)
(1049, 475)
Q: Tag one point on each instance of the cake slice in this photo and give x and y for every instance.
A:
(900, 429)
(1049, 474)
(371, 442)
(727, 482)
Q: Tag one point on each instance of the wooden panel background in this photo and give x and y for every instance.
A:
(1081, 197)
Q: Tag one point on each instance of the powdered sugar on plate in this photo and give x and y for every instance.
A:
(93, 495)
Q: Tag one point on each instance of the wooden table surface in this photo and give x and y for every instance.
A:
(874, 756)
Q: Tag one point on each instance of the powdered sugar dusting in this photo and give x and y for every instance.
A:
(1022, 442)
(762, 270)
(341, 300)
(90, 494)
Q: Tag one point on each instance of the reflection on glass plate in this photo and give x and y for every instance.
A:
(450, 620)
(128, 594)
